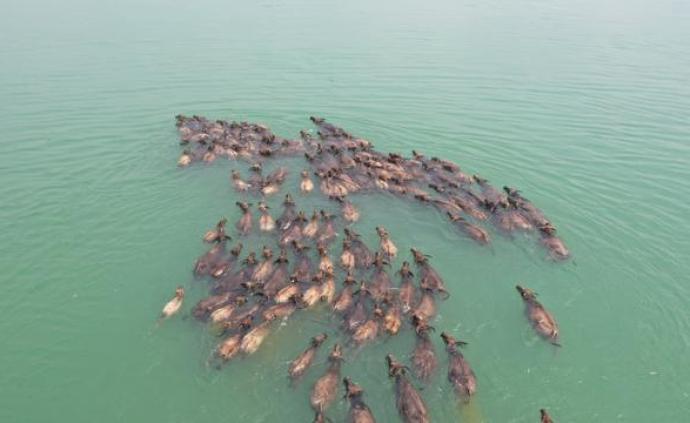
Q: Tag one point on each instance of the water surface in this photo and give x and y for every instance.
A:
(581, 104)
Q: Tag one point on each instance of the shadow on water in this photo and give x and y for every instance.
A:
(470, 412)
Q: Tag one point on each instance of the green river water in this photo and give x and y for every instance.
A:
(584, 105)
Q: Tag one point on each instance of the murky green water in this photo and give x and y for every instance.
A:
(583, 105)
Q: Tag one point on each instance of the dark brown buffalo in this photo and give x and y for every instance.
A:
(311, 293)
(349, 211)
(408, 293)
(306, 185)
(529, 210)
(480, 235)
(280, 276)
(223, 312)
(288, 293)
(289, 213)
(238, 183)
(205, 263)
(265, 268)
(303, 269)
(301, 364)
(241, 276)
(369, 329)
(392, 319)
(424, 361)
(492, 198)
(327, 234)
(347, 258)
(325, 262)
(381, 283)
(225, 265)
(217, 234)
(256, 180)
(244, 225)
(362, 253)
(510, 219)
(344, 300)
(326, 387)
(409, 402)
(230, 347)
(460, 373)
(311, 228)
(542, 321)
(357, 313)
(359, 411)
(386, 245)
(426, 308)
(205, 307)
(555, 246)
(253, 339)
(278, 176)
(293, 230)
(469, 205)
(242, 318)
(281, 310)
(428, 276)
(266, 222)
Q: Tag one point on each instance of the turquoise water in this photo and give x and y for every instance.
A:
(583, 105)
